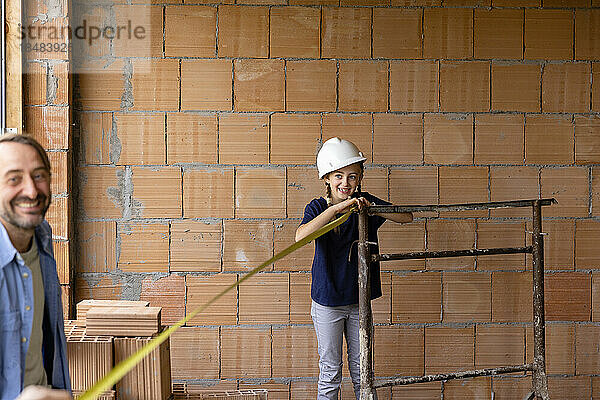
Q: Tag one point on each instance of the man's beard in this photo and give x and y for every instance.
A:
(22, 222)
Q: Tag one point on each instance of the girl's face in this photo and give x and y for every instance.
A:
(344, 182)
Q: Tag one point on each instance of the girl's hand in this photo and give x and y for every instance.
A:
(347, 204)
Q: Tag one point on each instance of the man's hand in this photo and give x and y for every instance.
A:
(43, 393)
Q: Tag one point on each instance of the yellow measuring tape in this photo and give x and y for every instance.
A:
(121, 369)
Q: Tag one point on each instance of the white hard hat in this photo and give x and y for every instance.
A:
(337, 153)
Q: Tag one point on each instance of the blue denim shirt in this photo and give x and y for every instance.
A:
(16, 292)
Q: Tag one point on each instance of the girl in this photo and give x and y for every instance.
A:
(334, 289)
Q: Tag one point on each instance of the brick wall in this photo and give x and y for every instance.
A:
(46, 116)
(195, 157)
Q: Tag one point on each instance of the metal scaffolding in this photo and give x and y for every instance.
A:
(365, 258)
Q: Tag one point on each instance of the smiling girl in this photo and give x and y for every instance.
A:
(334, 289)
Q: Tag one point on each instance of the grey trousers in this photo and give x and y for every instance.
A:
(331, 324)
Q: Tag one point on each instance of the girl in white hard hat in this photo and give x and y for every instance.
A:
(334, 288)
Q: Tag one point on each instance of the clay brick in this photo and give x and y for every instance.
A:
(155, 84)
(208, 193)
(499, 346)
(100, 86)
(566, 3)
(201, 289)
(35, 83)
(195, 246)
(560, 348)
(49, 125)
(151, 203)
(303, 185)
(513, 183)
(448, 139)
(569, 186)
(549, 139)
(595, 297)
(572, 387)
(300, 301)
(595, 191)
(294, 138)
(243, 139)
(185, 22)
(363, 86)
(397, 139)
(493, 234)
(62, 257)
(94, 16)
(438, 341)
(375, 181)
(212, 387)
(301, 390)
(47, 38)
(191, 138)
(299, 260)
(260, 193)
(402, 238)
(101, 191)
(61, 177)
(465, 86)
(356, 128)
(417, 298)
(398, 351)
(448, 33)
(276, 391)
(102, 289)
(346, 33)
(142, 138)
(95, 134)
(463, 185)
(246, 244)
(311, 85)
(587, 233)
(450, 235)
(466, 297)
(418, 185)
(382, 306)
(473, 388)
(498, 33)
(243, 31)
(509, 388)
(414, 85)
(516, 3)
(58, 216)
(245, 352)
(587, 43)
(144, 247)
(512, 296)
(96, 246)
(167, 293)
(294, 352)
(516, 87)
(397, 33)
(264, 300)
(548, 34)
(418, 391)
(206, 84)
(295, 32)
(566, 87)
(149, 42)
(60, 74)
(499, 139)
(195, 353)
(558, 244)
(259, 85)
(568, 296)
(587, 139)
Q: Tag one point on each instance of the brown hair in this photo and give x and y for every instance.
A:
(30, 141)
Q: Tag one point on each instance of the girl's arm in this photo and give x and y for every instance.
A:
(326, 216)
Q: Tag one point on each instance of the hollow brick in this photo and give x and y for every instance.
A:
(151, 203)
(473, 388)
(155, 85)
(466, 297)
(417, 298)
(195, 353)
(346, 32)
(183, 23)
(206, 85)
(100, 86)
(450, 235)
(144, 247)
(142, 139)
(587, 233)
(295, 32)
(191, 138)
(243, 139)
(95, 134)
(49, 125)
(549, 139)
(259, 85)
(243, 31)
(300, 301)
(294, 351)
(570, 187)
(260, 193)
(448, 139)
(363, 86)
(35, 83)
(101, 191)
(398, 351)
(265, 300)
(548, 34)
(148, 21)
(201, 289)
(464, 86)
(513, 183)
(96, 248)
(246, 244)
(568, 296)
(245, 352)
(498, 33)
(494, 234)
(414, 85)
(437, 342)
(463, 185)
(448, 33)
(208, 193)
(417, 185)
(303, 185)
(397, 139)
(498, 345)
(511, 296)
(587, 139)
(397, 33)
(195, 246)
(574, 387)
(294, 138)
(566, 87)
(356, 128)
(311, 85)
(516, 87)
(402, 238)
(167, 293)
(284, 236)
(499, 139)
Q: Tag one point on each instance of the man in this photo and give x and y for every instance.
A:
(32, 339)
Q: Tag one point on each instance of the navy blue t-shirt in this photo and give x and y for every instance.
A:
(334, 278)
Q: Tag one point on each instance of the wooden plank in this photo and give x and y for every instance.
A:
(14, 66)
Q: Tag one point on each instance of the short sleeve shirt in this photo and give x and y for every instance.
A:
(335, 263)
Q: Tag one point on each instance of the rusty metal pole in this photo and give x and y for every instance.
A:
(540, 381)
(364, 308)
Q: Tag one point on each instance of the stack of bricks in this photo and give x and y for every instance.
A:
(196, 150)
(92, 356)
(259, 394)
